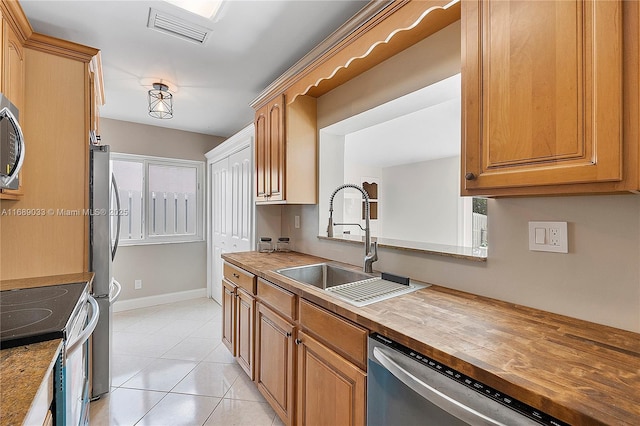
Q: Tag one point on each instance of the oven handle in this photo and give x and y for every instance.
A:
(452, 406)
(88, 329)
(118, 288)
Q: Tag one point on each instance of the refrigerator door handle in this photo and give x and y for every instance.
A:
(118, 288)
(117, 193)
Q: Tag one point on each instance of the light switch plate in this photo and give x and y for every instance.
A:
(548, 236)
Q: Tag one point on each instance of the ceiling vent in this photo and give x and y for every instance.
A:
(178, 27)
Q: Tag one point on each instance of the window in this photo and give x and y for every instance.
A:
(162, 197)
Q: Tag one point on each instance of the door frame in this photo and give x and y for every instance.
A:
(239, 141)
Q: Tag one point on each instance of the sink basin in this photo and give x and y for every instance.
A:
(357, 288)
(323, 275)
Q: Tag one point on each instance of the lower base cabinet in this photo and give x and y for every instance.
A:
(229, 316)
(275, 367)
(331, 390)
(245, 305)
(306, 361)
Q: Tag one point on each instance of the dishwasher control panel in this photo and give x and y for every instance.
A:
(471, 383)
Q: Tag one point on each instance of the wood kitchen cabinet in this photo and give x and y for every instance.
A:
(275, 369)
(331, 369)
(54, 116)
(275, 348)
(245, 309)
(542, 95)
(238, 315)
(269, 125)
(331, 390)
(229, 316)
(309, 364)
(285, 151)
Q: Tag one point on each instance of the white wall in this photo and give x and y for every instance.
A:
(598, 280)
(420, 201)
(163, 268)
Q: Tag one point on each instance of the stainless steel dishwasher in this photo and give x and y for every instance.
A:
(407, 388)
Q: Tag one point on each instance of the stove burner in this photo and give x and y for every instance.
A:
(35, 295)
(36, 314)
(21, 318)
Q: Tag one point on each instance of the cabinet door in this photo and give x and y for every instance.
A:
(542, 94)
(229, 315)
(262, 153)
(276, 149)
(13, 68)
(269, 123)
(274, 361)
(331, 390)
(245, 304)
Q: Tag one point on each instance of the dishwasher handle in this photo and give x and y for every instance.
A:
(452, 406)
(88, 329)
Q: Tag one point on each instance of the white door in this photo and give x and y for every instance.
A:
(231, 207)
(220, 207)
(239, 239)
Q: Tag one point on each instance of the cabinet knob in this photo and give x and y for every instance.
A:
(470, 176)
(298, 341)
(288, 334)
(236, 275)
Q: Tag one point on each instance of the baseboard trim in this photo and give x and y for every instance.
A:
(160, 299)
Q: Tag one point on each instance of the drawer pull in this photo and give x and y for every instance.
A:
(236, 275)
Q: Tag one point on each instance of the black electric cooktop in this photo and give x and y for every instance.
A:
(32, 315)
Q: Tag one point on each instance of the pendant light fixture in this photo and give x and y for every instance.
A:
(160, 101)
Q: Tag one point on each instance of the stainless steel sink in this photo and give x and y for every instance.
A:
(323, 275)
(357, 288)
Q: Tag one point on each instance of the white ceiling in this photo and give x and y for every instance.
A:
(420, 126)
(252, 43)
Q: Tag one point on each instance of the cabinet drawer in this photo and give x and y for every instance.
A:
(240, 278)
(281, 300)
(349, 339)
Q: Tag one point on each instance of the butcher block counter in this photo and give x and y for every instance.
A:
(580, 372)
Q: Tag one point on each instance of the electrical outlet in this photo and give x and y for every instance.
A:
(296, 222)
(137, 284)
(548, 236)
(554, 237)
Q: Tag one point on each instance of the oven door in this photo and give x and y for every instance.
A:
(75, 368)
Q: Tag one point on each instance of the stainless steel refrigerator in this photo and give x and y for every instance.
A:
(104, 227)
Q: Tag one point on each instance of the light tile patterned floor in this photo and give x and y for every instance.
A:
(170, 368)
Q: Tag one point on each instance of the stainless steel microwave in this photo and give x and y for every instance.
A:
(11, 145)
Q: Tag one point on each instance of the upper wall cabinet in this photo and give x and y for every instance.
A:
(269, 125)
(285, 151)
(12, 66)
(543, 97)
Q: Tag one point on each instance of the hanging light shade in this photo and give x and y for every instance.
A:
(160, 101)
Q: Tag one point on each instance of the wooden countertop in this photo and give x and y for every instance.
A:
(580, 372)
(23, 368)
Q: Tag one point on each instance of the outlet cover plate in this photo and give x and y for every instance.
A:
(555, 237)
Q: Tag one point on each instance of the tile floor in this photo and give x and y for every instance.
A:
(170, 368)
